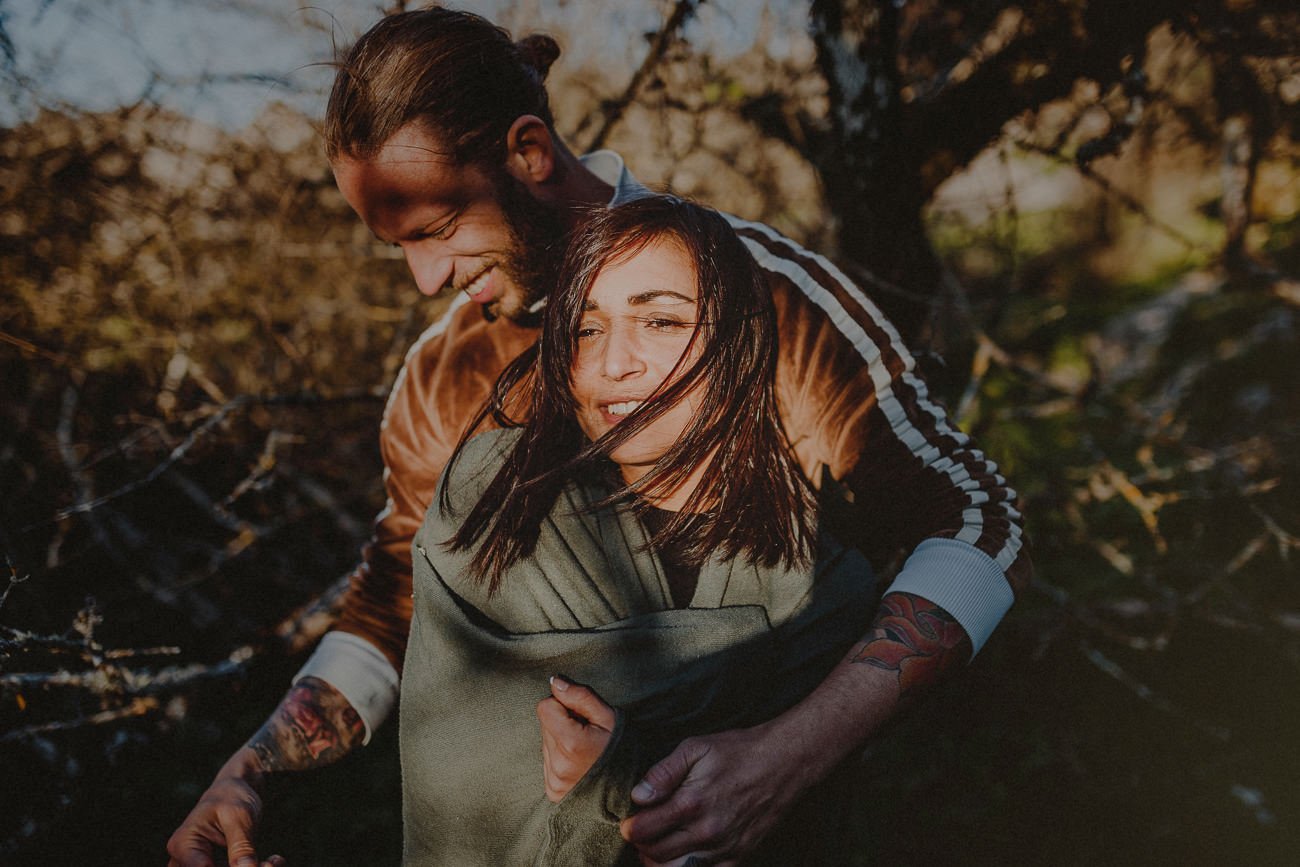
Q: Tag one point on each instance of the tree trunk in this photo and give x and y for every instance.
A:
(872, 184)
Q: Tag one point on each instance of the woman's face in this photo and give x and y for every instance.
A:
(638, 321)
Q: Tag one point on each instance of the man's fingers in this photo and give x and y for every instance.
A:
(663, 779)
(192, 859)
(695, 859)
(582, 701)
(189, 849)
(670, 845)
(661, 830)
(237, 823)
(240, 851)
(224, 818)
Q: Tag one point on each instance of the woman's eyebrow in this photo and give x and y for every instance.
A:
(655, 294)
(645, 298)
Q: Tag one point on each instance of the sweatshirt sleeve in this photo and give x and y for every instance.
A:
(447, 374)
(854, 406)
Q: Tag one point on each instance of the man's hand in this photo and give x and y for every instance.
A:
(715, 797)
(576, 727)
(225, 817)
(313, 726)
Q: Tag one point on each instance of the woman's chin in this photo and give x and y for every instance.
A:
(633, 465)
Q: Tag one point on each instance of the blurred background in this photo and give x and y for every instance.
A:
(1084, 216)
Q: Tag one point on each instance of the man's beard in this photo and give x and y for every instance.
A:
(538, 241)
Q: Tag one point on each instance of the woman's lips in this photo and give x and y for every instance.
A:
(616, 411)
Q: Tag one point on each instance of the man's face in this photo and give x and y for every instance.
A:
(635, 334)
(459, 227)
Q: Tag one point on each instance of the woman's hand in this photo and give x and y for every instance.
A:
(576, 727)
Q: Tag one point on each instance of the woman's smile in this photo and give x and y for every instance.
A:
(637, 327)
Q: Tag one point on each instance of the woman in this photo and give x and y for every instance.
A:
(645, 531)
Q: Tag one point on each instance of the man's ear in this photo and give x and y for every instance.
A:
(530, 151)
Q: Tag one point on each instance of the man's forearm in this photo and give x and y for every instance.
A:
(313, 726)
(752, 776)
(911, 645)
(914, 640)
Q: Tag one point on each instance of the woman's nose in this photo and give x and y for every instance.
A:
(623, 358)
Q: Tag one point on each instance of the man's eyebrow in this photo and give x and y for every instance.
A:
(440, 222)
(437, 224)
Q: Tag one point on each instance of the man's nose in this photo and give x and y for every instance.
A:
(432, 270)
(623, 358)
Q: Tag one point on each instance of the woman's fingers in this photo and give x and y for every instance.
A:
(582, 701)
(576, 727)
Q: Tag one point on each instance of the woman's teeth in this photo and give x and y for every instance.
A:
(624, 408)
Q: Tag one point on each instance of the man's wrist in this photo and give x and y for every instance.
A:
(360, 672)
(800, 766)
(813, 737)
(962, 580)
(245, 765)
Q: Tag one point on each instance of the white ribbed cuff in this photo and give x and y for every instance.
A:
(358, 670)
(960, 579)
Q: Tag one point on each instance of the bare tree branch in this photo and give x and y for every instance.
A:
(613, 110)
(1148, 695)
(1124, 198)
(214, 421)
(13, 582)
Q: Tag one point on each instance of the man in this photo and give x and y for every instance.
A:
(442, 140)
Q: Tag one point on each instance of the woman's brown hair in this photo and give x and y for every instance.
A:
(752, 499)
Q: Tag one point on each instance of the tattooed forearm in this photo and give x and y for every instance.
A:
(913, 638)
(313, 726)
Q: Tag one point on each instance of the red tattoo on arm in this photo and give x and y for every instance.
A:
(914, 638)
(313, 726)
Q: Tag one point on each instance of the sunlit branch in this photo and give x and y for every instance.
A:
(613, 111)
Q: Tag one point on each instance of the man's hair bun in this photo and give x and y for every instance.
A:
(539, 51)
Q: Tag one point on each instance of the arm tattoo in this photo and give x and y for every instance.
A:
(313, 726)
(913, 638)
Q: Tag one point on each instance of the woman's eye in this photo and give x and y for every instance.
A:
(587, 331)
(664, 323)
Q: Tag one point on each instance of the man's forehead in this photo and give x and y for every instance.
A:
(405, 151)
(415, 141)
(407, 173)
